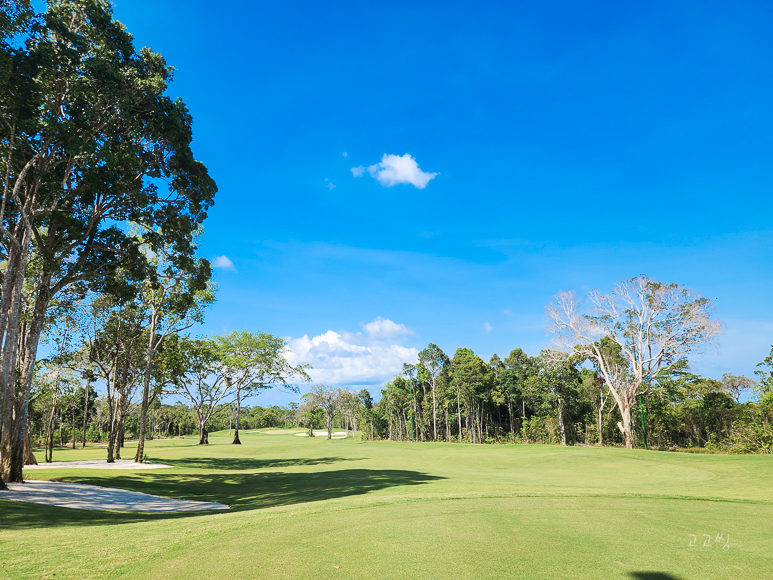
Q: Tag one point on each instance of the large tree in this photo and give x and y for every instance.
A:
(90, 142)
(653, 324)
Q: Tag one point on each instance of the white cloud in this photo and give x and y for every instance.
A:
(507, 312)
(395, 170)
(330, 186)
(345, 358)
(346, 155)
(224, 263)
(383, 328)
(487, 327)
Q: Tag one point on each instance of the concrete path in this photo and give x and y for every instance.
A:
(97, 464)
(92, 497)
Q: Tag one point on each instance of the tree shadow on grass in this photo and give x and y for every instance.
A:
(249, 464)
(653, 576)
(242, 491)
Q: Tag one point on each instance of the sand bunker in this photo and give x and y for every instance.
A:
(323, 433)
(97, 464)
(92, 497)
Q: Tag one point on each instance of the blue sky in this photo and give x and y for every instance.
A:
(575, 145)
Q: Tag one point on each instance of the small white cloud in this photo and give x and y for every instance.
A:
(382, 328)
(330, 186)
(346, 155)
(507, 312)
(487, 327)
(395, 170)
(224, 263)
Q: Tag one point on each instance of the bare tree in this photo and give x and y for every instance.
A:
(736, 385)
(653, 324)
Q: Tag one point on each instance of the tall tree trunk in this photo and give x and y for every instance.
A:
(25, 383)
(29, 456)
(12, 292)
(146, 387)
(50, 434)
(434, 410)
(236, 440)
(459, 413)
(561, 425)
(86, 411)
(601, 424)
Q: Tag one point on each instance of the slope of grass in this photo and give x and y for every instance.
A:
(312, 508)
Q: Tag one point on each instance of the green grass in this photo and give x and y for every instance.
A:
(312, 508)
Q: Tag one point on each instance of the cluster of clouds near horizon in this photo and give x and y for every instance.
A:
(354, 359)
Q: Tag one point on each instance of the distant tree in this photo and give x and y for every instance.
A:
(470, 377)
(433, 361)
(765, 385)
(203, 383)
(254, 362)
(518, 368)
(366, 401)
(329, 400)
(654, 325)
(736, 385)
(556, 384)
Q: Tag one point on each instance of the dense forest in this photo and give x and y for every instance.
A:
(518, 399)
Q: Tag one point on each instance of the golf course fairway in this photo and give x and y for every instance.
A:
(313, 508)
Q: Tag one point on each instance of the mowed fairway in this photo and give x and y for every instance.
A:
(313, 508)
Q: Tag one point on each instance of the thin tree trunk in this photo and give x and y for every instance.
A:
(50, 434)
(29, 456)
(146, 387)
(236, 440)
(86, 410)
(459, 413)
(601, 442)
(561, 421)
